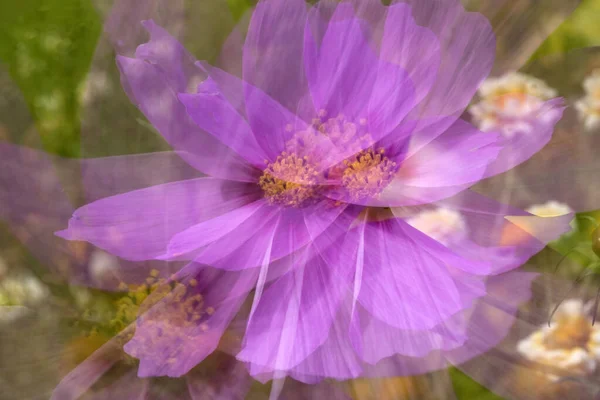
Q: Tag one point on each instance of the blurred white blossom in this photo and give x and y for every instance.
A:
(103, 267)
(550, 209)
(571, 342)
(22, 290)
(507, 98)
(96, 85)
(589, 106)
(442, 224)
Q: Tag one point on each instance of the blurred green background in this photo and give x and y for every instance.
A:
(47, 48)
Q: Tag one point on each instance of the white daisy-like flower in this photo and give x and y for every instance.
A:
(589, 106)
(516, 83)
(97, 84)
(22, 290)
(551, 208)
(103, 266)
(571, 342)
(442, 224)
(506, 99)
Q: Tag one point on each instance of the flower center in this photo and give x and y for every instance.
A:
(571, 332)
(289, 181)
(173, 312)
(571, 343)
(367, 174)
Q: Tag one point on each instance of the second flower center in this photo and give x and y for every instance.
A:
(289, 181)
(367, 174)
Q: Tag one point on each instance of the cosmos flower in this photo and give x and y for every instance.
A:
(96, 366)
(93, 365)
(334, 121)
(99, 369)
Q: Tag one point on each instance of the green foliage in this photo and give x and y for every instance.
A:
(239, 7)
(467, 389)
(581, 29)
(48, 47)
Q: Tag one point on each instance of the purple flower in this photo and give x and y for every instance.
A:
(344, 124)
(108, 374)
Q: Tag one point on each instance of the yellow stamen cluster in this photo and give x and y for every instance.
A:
(128, 306)
(367, 174)
(168, 311)
(170, 319)
(289, 181)
(292, 178)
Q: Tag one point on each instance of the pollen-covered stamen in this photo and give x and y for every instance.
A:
(290, 180)
(141, 298)
(367, 174)
(167, 311)
(173, 313)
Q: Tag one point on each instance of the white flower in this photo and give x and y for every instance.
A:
(506, 100)
(103, 266)
(441, 224)
(549, 209)
(516, 83)
(96, 85)
(589, 106)
(22, 290)
(571, 342)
